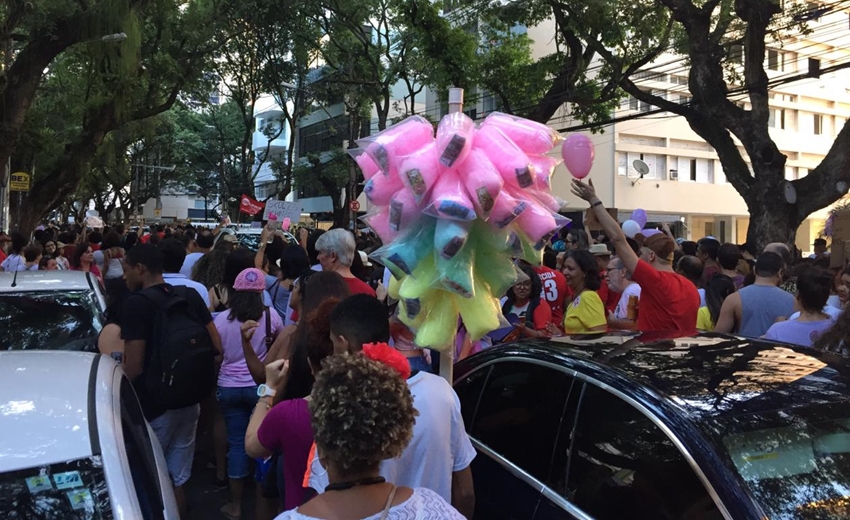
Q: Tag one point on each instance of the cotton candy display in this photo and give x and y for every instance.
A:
(454, 209)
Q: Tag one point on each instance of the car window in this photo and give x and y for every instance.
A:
(795, 462)
(468, 391)
(140, 454)
(624, 466)
(49, 320)
(74, 490)
(519, 413)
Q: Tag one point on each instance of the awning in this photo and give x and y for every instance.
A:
(659, 218)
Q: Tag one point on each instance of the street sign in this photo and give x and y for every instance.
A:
(20, 181)
(157, 212)
(354, 205)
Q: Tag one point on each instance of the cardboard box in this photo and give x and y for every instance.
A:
(591, 222)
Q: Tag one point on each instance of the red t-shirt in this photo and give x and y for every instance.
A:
(668, 301)
(554, 290)
(358, 286)
(94, 247)
(542, 315)
(2, 256)
(609, 298)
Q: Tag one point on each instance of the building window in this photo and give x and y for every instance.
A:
(814, 12)
(818, 124)
(776, 119)
(736, 53)
(638, 105)
(773, 59)
(693, 170)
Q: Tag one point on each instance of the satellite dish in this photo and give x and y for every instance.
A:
(641, 167)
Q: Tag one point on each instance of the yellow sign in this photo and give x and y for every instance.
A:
(20, 182)
(157, 213)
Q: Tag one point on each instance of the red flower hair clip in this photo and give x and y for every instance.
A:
(383, 353)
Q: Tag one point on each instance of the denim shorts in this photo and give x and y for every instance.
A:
(237, 404)
(175, 430)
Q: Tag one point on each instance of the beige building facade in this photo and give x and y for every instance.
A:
(686, 182)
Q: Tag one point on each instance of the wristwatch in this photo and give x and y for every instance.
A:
(265, 390)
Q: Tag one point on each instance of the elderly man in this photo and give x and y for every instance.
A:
(624, 316)
(335, 251)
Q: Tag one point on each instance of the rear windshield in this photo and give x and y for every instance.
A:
(49, 320)
(795, 462)
(69, 490)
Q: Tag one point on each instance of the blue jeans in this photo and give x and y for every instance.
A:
(236, 407)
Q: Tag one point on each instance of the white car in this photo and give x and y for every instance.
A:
(74, 443)
(50, 310)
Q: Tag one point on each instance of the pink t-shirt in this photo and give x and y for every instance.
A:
(234, 369)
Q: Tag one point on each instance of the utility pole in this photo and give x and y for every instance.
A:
(7, 168)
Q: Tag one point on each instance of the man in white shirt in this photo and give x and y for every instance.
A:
(173, 256)
(202, 245)
(440, 454)
(620, 281)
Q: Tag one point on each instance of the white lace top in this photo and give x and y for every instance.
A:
(423, 504)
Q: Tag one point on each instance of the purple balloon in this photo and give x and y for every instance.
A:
(639, 216)
(650, 232)
(578, 154)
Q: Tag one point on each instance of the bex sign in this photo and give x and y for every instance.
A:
(20, 181)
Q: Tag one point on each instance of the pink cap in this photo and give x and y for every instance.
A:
(250, 279)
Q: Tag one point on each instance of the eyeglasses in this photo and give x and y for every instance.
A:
(523, 285)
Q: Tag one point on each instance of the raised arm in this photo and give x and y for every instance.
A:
(609, 225)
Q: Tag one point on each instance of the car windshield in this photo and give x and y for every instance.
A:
(49, 320)
(249, 240)
(68, 490)
(796, 462)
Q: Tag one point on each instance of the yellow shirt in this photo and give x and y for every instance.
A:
(704, 319)
(584, 313)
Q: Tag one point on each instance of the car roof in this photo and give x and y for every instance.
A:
(706, 376)
(46, 281)
(44, 407)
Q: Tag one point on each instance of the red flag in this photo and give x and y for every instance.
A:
(250, 206)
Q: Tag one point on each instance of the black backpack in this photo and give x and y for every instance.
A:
(180, 368)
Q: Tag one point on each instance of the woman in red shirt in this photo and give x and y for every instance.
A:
(83, 259)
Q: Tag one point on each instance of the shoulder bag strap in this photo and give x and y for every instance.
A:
(387, 507)
(269, 338)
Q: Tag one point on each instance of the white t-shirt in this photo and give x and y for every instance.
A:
(520, 311)
(14, 262)
(189, 264)
(440, 445)
(179, 279)
(622, 310)
(423, 504)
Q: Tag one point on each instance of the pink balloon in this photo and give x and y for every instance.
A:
(285, 224)
(578, 154)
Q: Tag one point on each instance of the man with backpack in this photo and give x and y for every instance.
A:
(170, 351)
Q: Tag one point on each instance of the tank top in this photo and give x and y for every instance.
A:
(760, 306)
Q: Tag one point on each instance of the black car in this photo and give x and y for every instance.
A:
(696, 428)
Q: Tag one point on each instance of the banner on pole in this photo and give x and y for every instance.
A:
(250, 206)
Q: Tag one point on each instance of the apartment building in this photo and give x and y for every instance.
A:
(686, 185)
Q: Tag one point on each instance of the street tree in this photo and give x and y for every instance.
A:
(93, 89)
(730, 100)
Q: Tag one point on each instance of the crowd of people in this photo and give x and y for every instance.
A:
(309, 398)
(322, 396)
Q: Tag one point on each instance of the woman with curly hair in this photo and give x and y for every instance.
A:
(586, 313)
(362, 413)
(209, 269)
